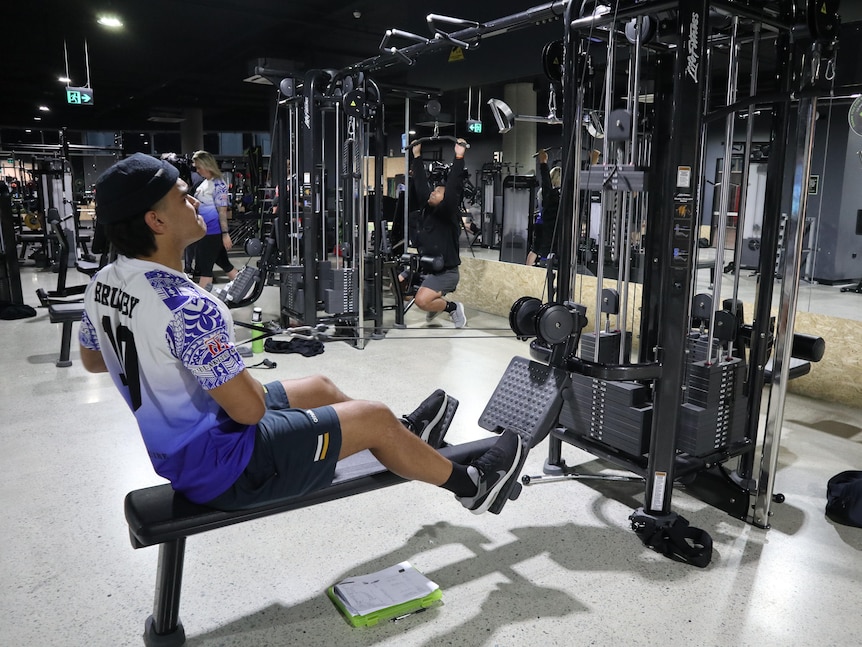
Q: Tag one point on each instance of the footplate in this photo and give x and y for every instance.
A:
(527, 399)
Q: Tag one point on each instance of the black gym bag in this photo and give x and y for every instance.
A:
(844, 498)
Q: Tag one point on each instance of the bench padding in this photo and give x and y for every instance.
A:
(158, 514)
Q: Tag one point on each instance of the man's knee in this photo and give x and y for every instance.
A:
(424, 297)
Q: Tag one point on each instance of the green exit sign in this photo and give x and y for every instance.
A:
(79, 96)
(474, 126)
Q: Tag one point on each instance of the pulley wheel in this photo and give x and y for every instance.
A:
(354, 104)
(522, 316)
(253, 247)
(552, 60)
(649, 25)
(433, 107)
(553, 323)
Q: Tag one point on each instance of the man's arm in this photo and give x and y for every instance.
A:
(455, 181)
(420, 179)
(242, 398)
(93, 360)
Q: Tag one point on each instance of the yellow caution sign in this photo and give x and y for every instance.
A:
(457, 54)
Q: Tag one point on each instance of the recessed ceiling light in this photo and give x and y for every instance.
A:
(44, 109)
(112, 22)
(37, 118)
(64, 79)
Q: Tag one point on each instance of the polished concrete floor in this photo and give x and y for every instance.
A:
(559, 566)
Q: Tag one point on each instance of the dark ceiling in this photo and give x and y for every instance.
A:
(177, 54)
(174, 55)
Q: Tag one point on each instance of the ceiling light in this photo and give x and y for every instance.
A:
(44, 109)
(64, 79)
(111, 22)
(37, 118)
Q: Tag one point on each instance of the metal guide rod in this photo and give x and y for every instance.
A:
(749, 136)
(359, 229)
(786, 319)
(724, 193)
(610, 71)
(632, 202)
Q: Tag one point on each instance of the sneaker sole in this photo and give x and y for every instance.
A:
(495, 491)
(426, 433)
(436, 439)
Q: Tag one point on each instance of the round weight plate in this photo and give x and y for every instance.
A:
(31, 221)
(354, 104)
(552, 60)
(553, 323)
(522, 314)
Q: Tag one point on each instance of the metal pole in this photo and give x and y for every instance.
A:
(792, 259)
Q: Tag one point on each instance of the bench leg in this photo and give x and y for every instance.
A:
(65, 345)
(163, 628)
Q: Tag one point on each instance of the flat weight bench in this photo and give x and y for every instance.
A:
(159, 516)
(66, 314)
(527, 400)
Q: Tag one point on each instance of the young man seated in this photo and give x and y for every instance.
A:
(217, 434)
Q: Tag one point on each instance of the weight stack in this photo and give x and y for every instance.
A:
(339, 299)
(697, 346)
(292, 293)
(713, 417)
(609, 346)
(614, 413)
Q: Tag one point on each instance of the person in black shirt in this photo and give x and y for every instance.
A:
(544, 226)
(439, 235)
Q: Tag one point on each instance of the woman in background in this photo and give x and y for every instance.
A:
(214, 203)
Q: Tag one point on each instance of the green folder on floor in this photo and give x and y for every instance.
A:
(388, 594)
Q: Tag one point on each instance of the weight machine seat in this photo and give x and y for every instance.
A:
(158, 514)
(798, 368)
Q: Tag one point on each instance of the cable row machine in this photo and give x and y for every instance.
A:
(686, 406)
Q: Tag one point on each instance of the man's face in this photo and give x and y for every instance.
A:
(181, 210)
(436, 196)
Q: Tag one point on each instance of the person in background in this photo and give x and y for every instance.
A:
(212, 194)
(439, 235)
(545, 225)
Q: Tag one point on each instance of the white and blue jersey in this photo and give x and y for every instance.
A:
(212, 194)
(166, 343)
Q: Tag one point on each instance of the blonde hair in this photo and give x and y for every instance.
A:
(208, 162)
(556, 174)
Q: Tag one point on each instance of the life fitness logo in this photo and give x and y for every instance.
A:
(693, 60)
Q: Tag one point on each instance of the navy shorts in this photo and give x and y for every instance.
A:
(442, 282)
(295, 452)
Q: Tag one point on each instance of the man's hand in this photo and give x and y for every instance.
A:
(542, 156)
(461, 147)
(416, 147)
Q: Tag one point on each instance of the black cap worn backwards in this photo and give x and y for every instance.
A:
(132, 186)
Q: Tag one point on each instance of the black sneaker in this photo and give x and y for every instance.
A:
(496, 467)
(427, 415)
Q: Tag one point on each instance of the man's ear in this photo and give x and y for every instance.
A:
(154, 221)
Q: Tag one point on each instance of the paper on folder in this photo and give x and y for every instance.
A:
(389, 587)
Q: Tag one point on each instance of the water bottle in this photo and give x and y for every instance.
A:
(257, 330)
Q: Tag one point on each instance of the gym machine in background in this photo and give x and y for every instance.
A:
(665, 382)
